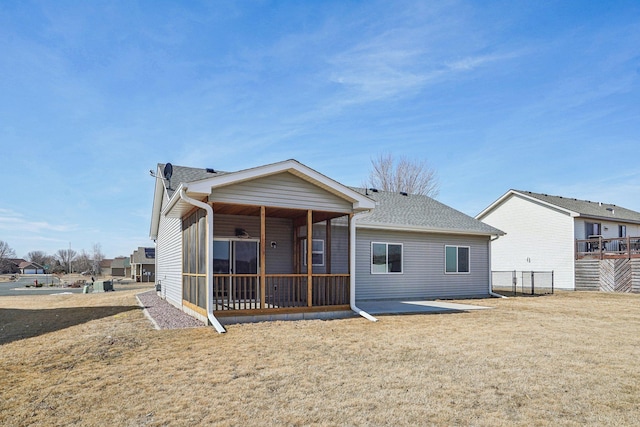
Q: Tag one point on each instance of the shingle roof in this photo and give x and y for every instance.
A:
(392, 209)
(421, 212)
(118, 262)
(187, 174)
(587, 208)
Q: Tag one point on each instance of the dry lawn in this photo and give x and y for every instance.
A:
(567, 359)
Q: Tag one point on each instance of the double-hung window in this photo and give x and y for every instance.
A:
(317, 252)
(386, 258)
(457, 259)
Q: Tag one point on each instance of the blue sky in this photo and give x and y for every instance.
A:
(541, 96)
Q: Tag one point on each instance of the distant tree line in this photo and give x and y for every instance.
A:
(62, 261)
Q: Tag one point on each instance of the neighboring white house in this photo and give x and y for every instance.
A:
(235, 244)
(545, 233)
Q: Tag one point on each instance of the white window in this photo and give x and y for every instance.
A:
(457, 259)
(622, 231)
(317, 252)
(386, 258)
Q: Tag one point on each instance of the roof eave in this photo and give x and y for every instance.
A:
(420, 229)
(158, 194)
(525, 196)
(205, 186)
(605, 218)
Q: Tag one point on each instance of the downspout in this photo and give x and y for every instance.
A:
(491, 293)
(352, 268)
(183, 195)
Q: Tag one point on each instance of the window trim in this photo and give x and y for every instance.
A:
(387, 244)
(304, 252)
(457, 258)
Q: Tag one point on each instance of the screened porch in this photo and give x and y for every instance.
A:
(263, 262)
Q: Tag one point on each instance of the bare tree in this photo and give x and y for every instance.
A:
(98, 256)
(42, 258)
(66, 257)
(83, 262)
(39, 257)
(405, 174)
(6, 253)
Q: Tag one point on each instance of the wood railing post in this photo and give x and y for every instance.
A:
(309, 258)
(629, 247)
(263, 255)
(601, 248)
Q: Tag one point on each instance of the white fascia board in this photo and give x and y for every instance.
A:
(204, 187)
(525, 196)
(174, 200)
(159, 194)
(609, 219)
(417, 229)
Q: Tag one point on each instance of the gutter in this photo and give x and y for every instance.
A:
(183, 195)
(352, 268)
(491, 293)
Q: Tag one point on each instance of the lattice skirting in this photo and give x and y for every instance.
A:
(608, 275)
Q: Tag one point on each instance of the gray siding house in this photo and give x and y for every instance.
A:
(234, 244)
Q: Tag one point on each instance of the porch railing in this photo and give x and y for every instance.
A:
(601, 248)
(282, 291)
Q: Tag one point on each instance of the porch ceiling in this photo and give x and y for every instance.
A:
(273, 212)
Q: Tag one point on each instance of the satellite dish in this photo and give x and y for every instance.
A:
(168, 171)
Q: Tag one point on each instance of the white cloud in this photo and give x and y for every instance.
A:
(13, 221)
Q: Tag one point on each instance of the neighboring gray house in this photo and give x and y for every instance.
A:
(27, 267)
(365, 244)
(560, 234)
(143, 264)
(120, 267)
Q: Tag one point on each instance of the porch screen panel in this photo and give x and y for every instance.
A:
(185, 288)
(192, 246)
(202, 292)
(194, 258)
(193, 290)
(202, 242)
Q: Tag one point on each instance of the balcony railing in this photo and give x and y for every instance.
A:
(284, 292)
(601, 248)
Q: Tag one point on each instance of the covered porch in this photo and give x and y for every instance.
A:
(278, 270)
(277, 239)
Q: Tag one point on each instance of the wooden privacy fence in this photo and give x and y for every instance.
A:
(522, 282)
(608, 275)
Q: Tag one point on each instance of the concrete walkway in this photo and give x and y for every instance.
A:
(411, 307)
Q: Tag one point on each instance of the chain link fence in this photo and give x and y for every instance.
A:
(522, 282)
